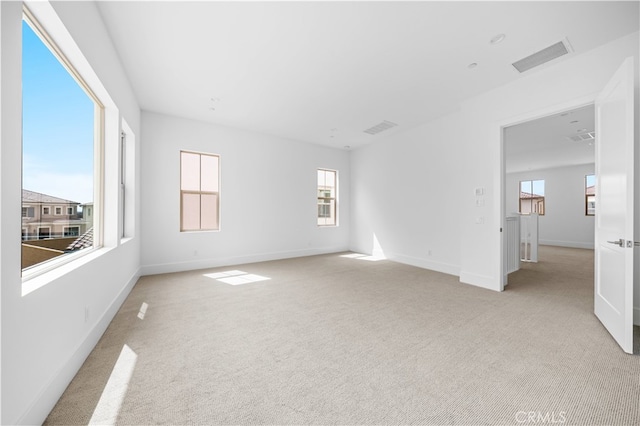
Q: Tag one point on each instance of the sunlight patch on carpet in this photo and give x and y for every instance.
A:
(236, 277)
(110, 403)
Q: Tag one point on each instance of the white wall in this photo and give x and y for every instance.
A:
(464, 153)
(406, 196)
(571, 83)
(564, 222)
(44, 336)
(268, 198)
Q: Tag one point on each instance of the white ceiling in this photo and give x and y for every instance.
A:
(323, 72)
(545, 143)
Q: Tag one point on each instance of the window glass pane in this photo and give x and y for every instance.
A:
(189, 171)
(321, 178)
(590, 194)
(538, 187)
(209, 211)
(209, 178)
(327, 180)
(330, 179)
(58, 139)
(190, 212)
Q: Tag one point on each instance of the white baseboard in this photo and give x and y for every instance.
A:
(191, 265)
(431, 265)
(47, 398)
(490, 283)
(571, 244)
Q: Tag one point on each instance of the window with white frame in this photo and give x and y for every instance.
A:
(61, 140)
(532, 197)
(127, 183)
(590, 195)
(199, 191)
(327, 197)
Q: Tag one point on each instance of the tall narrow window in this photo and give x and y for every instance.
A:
(590, 195)
(61, 140)
(532, 197)
(199, 191)
(123, 176)
(127, 181)
(327, 197)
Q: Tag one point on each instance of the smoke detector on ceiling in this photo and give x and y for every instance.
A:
(543, 56)
(381, 127)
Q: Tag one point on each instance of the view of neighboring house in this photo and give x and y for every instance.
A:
(591, 200)
(531, 203)
(51, 226)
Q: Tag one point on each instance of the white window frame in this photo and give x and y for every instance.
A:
(46, 12)
(531, 202)
(46, 210)
(69, 211)
(334, 199)
(216, 193)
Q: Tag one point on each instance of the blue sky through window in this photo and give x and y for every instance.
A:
(57, 125)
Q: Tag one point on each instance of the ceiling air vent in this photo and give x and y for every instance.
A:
(385, 125)
(586, 136)
(545, 55)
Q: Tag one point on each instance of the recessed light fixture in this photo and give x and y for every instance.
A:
(215, 99)
(347, 147)
(497, 39)
(472, 65)
(564, 114)
(581, 130)
(573, 122)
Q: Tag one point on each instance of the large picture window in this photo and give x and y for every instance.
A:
(61, 139)
(199, 191)
(327, 197)
(532, 197)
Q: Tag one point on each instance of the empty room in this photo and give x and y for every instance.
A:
(311, 212)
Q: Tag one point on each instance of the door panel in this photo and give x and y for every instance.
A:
(614, 206)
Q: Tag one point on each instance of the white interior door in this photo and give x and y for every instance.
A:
(614, 207)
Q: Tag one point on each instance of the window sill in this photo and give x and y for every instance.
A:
(47, 272)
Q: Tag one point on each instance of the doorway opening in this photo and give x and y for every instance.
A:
(549, 188)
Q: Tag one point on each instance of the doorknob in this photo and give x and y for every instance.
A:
(620, 242)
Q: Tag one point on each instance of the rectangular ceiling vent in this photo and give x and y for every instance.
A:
(542, 57)
(385, 125)
(586, 136)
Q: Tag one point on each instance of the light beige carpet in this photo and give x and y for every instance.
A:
(337, 340)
